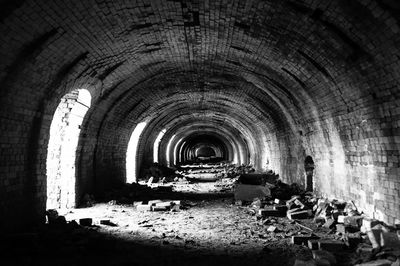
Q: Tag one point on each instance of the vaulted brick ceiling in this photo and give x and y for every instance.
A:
(286, 78)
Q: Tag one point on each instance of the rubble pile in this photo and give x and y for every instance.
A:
(213, 172)
(158, 205)
(331, 229)
(129, 193)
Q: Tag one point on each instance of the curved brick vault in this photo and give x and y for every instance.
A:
(276, 80)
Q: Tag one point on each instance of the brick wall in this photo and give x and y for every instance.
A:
(295, 78)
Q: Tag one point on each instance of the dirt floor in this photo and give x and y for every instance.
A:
(208, 230)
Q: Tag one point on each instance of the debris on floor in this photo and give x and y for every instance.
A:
(236, 215)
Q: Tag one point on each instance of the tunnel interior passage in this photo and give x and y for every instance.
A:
(203, 148)
(265, 83)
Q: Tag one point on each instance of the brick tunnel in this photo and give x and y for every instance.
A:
(272, 84)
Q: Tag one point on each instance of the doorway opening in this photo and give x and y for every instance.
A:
(61, 151)
(309, 172)
(157, 145)
(131, 170)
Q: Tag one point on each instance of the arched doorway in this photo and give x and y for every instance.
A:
(309, 172)
(61, 152)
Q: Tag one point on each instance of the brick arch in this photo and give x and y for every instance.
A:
(328, 73)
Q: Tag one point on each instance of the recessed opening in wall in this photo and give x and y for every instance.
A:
(205, 152)
(309, 172)
(157, 144)
(131, 170)
(61, 152)
(168, 150)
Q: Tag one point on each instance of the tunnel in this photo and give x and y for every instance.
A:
(307, 89)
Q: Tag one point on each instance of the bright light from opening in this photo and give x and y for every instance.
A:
(168, 147)
(175, 148)
(61, 152)
(131, 152)
(157, 144)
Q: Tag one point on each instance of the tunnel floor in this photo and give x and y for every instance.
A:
(204, 231)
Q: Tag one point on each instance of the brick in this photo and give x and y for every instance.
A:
(281, 208)
(154, 202)
(298, 215)
(339, 103)
(331, 245)
(160, 208)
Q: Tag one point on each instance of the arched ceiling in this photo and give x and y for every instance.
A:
(294, 77)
